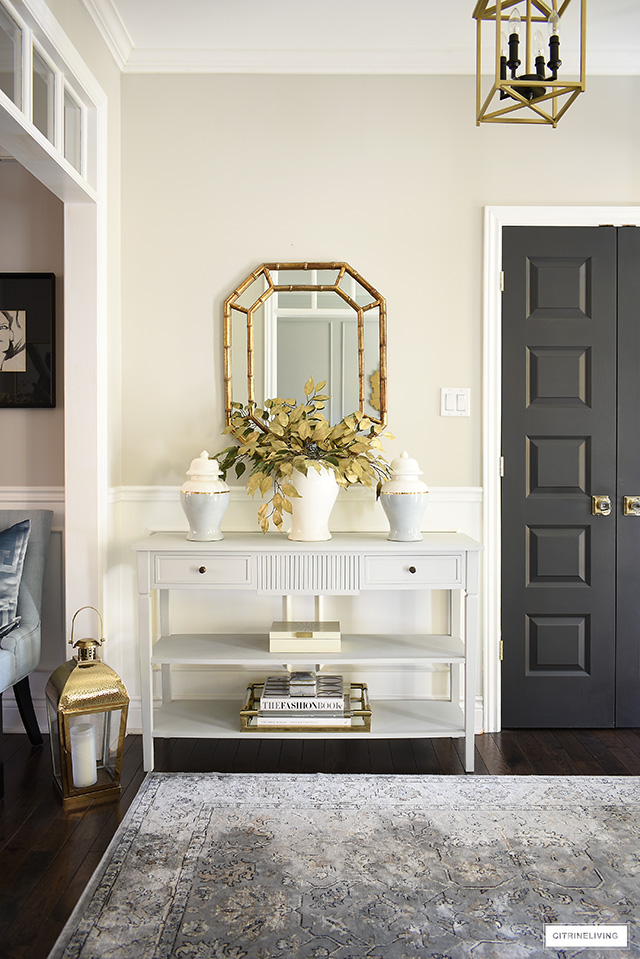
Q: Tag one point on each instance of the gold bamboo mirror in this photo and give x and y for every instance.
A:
(288, 321)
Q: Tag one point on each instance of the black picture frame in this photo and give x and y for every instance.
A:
(27, 340)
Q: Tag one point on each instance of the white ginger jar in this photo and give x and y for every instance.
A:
(404, 498)
(204, 498)
(312, 509)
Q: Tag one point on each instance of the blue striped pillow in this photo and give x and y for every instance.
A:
(13, 546)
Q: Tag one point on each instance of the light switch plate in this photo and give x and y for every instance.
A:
(454, 401)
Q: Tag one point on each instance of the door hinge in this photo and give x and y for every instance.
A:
(502, 466)
(502, 281)
(501, 650)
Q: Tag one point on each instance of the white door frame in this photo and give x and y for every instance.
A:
(495, 218)
(85, 319)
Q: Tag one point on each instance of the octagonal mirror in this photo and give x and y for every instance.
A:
(288, 321)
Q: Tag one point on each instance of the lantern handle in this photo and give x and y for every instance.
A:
(73, 623)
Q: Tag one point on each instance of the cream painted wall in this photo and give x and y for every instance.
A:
(388, 173)
(32, 241)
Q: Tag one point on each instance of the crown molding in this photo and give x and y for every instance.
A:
(357, 61)
(424, 62)
(417, 62)
(299, 61)
(112, 29)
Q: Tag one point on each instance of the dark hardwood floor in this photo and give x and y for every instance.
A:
(47, 855)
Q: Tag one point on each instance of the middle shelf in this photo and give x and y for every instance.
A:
(252, 649)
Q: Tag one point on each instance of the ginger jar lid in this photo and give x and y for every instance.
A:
(204, 474)
(405, 473)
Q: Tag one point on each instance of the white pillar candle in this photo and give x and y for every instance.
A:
(83, 755)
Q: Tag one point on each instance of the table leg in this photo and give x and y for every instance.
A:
(145, 640)
(471, 607)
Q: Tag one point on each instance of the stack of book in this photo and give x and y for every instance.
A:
(304, 699)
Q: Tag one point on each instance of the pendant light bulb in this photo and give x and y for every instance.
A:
(554, 23)
(504, 44)
(538, 44)
(515, 21)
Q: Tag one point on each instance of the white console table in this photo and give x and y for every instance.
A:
(349, 563)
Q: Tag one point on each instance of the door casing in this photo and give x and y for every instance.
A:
(495, 219)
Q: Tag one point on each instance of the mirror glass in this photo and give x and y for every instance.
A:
(287, 322)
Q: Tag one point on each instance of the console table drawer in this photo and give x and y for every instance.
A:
(205, 570)
(411, 570)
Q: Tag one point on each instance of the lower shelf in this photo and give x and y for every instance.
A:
(390, 719)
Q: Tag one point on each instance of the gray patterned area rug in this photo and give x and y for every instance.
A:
(212, 866)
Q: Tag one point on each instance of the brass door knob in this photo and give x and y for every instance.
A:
(631, 506)
(601, 505)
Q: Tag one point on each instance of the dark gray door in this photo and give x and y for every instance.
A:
(628, 526)
(571, 579)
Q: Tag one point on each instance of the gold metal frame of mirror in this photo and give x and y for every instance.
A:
(343, 269)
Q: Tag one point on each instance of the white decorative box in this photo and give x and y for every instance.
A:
(305, 637)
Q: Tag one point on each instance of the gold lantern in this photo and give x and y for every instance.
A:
(529, 83)
(87, 706)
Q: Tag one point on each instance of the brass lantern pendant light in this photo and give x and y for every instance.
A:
(87, 706)
(529, 42)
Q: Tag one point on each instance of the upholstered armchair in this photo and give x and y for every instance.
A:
(20, 646)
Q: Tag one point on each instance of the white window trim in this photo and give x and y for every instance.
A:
(40, 31)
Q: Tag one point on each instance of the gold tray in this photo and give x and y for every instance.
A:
(360, 714)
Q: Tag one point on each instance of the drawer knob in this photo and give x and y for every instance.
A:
(412, 569)
(202, 569)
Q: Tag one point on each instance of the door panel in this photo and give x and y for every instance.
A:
(559, 445)
(628, 578)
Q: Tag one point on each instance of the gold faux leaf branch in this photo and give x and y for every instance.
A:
(294, 436)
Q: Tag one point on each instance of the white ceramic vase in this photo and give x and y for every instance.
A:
(404, 498)
(204, 499)
(311, 511)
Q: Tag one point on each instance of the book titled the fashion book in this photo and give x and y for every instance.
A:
(290, 718)
(307, 692)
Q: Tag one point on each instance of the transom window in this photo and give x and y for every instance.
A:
(40, 84)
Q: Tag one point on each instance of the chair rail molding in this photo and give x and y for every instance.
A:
(32, 495)
(133, 494)
(495, 218)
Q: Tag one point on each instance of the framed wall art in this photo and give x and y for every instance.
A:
(27, 333)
